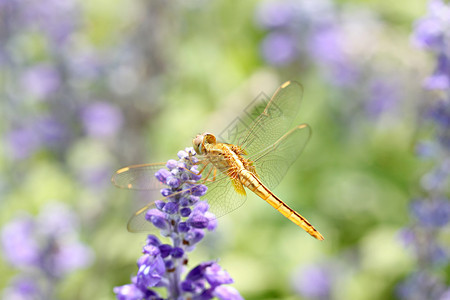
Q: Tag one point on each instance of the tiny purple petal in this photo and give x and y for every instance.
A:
(150, 250)
(171, 208)
(198, 272)
(166, 192)
(226, 292)
(162, 175)
(182, 154)
(194, 236)
(173, 181)
(201, 207)
(199, 190)
(160, 204)
(187, 286)
(177, 252)
(215, 275)
(157, 218)
(165, 250)
(171, 164)
(183, 227)
(152, 240)
(128, 292)
(185, 212)
(198, 221)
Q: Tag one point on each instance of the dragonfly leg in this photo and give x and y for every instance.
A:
(209, 173)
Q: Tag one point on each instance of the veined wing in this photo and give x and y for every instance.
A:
(273, 162)
(221, 194)
(138, 177)
(255, 133)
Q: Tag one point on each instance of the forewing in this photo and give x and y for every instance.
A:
(138, 177)
(272, 123)
(138, 223)
(273, 162)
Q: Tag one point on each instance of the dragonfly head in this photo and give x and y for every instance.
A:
(201, 140)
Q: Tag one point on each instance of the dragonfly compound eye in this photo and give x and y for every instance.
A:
(197, 143)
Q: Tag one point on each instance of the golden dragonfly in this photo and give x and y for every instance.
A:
(257, 153)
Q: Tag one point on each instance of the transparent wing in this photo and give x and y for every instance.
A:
(255, 131)
(138, 177)
(221, 195)
(138, 223)
(224, 196)
(273, 162)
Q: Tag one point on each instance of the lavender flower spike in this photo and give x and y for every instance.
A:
(183, 218)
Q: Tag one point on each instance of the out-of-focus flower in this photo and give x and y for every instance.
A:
(47, 243)
(45, 249)
(40, 81)
(21, 142)
(183, 218)
(313, 282)
(434, 213)
(279, 48)
(23, 288)
(421, 285)
(431, 213)
(101, 119)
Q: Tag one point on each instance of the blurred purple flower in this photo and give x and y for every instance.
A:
(41, 80)
(383, 97)
(47, 243)
(274, 14)
(23, 288)
(51, 132)
(434, 213)
(313, 282)
(19, 248)
(440, 80)
(57, 19)
(226, 292)
(21, 142)
(421, 285)
(101, 119)
(327, 47)
(430, 31)
(279, 48)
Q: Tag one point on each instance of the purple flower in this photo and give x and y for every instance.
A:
(328, 48)
(129, 292)
(183, 218)
(313, 282)
(430, 31)
(47, 246)
(382, 97)
(151, 270)
(421, 285)
(279, 48)
(41, 81)
(19, 246)
(23, 288)
(21, 142)
(101, 119)
(226, 292)
(274, 14)
(440, 79)
(434, 213)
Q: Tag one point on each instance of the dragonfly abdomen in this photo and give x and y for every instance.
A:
(250, 181)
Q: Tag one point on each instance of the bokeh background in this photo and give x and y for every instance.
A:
(88, 87)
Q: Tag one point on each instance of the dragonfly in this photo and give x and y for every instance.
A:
(259, 149)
